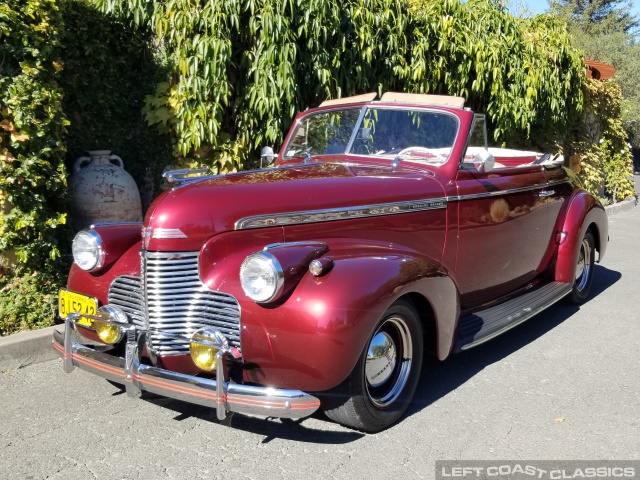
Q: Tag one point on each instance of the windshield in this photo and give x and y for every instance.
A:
(427, 135)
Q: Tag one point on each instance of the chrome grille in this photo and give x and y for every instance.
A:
(177, 302)
(126, 293)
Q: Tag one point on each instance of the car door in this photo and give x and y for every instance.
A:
(503, 231)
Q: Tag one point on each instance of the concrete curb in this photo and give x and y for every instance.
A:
(26, 348)
(620, 207)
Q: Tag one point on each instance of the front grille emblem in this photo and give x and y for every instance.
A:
(146, 236)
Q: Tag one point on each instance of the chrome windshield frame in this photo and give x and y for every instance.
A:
(363, 111)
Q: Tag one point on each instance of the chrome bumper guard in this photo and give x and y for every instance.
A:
(219, 393)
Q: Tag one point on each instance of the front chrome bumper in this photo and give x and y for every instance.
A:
(136, 377)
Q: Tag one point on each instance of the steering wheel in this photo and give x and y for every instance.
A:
(409, 150)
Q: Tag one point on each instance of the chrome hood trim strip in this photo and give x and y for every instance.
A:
(345, 213)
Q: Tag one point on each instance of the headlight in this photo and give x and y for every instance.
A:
(261, 277)
(87, 250)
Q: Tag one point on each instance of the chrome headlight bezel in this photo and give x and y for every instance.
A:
(262, 266)
(87, 250)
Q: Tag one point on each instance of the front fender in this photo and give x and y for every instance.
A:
(584, 212)
(313, 340)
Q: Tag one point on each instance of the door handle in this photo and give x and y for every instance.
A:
(546, 193)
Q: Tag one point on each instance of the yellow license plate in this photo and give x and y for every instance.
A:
(71, 302)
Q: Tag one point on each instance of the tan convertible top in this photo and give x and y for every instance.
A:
(367, 97)
(423, 98)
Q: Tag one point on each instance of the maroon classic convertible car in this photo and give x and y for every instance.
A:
(385, 231)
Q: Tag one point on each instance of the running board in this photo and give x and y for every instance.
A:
(483, 325)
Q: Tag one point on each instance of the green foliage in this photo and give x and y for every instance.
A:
(523, 73)
(32, 172)
(27, 301)
(604, 30)
(601, 143)
(619, 50)
(241, 69)
(598, 17)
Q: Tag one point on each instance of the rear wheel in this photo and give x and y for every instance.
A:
(381, 386)
(584, 270)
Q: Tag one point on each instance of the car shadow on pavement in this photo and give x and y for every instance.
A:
(270, 428)
(440, 378)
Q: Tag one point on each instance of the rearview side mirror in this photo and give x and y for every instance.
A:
(484, 161)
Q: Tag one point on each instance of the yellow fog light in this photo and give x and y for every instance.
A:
(203, 356)
(204, 347)
(110, 329)
(108, 332)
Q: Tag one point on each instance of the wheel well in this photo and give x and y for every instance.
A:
(596, 237)
(427, 319)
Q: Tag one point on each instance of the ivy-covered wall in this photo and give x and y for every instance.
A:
(32, 163)
(72, 79)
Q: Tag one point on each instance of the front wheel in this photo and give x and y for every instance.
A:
(584, 270)
(381, 386)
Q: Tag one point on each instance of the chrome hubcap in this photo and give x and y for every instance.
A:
(583, 269)
(381, 359)
(388, 362)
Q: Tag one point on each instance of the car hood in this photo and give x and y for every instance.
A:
(186, 216)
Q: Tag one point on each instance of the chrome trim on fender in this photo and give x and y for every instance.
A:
(330, 214)
(273, 246)
(115, 224)
(220, 394)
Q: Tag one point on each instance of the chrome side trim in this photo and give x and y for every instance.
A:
(330, 214)
(506, 192)
(220, 394)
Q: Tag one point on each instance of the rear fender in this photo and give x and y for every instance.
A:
(584, 212)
